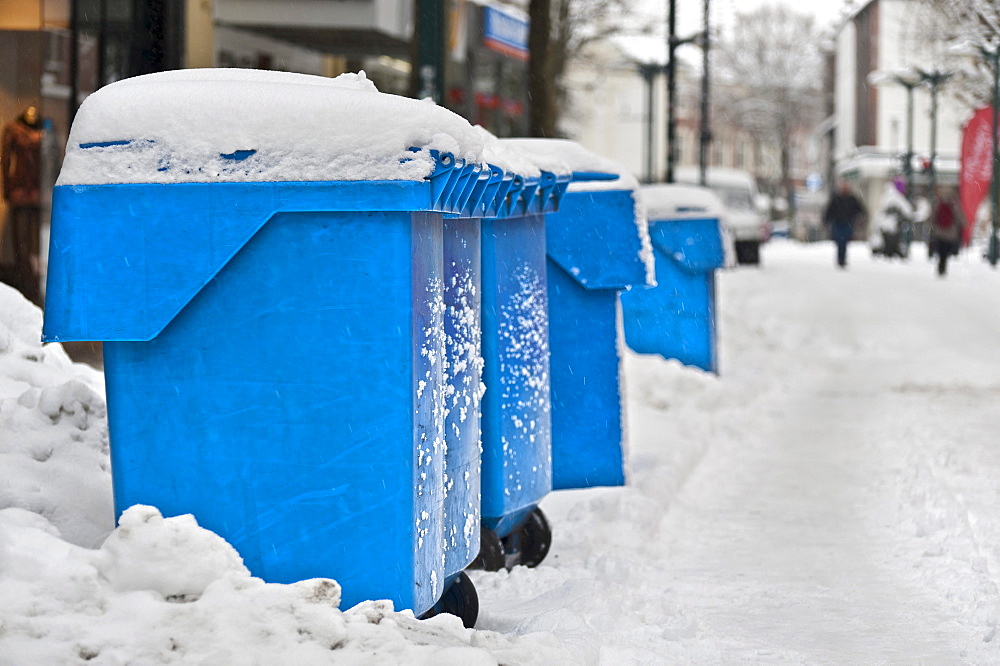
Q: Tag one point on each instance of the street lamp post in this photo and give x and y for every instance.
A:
(908, 157)
(993, 252)
(705, 135)
(908, 79)
(933, 79)
(648, 71)
(673, 41)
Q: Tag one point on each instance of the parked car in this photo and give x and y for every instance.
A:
(748, 226)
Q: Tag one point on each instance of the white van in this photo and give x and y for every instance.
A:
(738, 191)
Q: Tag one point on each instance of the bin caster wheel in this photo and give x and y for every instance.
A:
(460, 599)
(531, 541)
(491, 554)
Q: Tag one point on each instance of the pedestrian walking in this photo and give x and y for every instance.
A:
(843, 213)
(946, 230)
(894, 222)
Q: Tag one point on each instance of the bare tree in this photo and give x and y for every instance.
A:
(541, 92)
(560, 32)
(769, 72)
(975, 23)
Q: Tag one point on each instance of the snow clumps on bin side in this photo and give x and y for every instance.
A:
(524, 379)
(226, 125)
(562, 157)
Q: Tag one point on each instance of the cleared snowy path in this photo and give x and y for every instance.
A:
(793, 545)
(830, 499)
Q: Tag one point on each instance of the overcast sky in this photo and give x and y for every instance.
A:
(689, 12)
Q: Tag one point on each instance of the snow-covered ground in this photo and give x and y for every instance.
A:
(832, 498)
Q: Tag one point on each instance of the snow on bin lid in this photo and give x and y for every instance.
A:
(591, 173)
(563, 157)
(671, 201)
(681, 202)
(225, 125)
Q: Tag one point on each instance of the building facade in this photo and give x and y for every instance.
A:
(879, 43)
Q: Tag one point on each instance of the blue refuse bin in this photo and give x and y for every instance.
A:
(596, 250)
(676, 319)
(488, 190)
(275, 356)
(516, 427)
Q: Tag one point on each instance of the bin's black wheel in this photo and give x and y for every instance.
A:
(460, 599)
(491, 555)
(531, 541)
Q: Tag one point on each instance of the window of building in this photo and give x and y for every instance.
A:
(718, 153)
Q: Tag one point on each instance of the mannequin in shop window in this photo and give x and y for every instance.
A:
(20, 164)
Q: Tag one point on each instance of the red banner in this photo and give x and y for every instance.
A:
(976, 167)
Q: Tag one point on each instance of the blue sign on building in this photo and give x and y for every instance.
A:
(505, 33)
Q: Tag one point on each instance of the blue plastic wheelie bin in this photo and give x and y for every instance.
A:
(676, 319)
(516, 409)
(275, 356)
(596, 248)
(486, 191)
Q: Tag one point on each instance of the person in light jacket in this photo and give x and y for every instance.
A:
(894, 219)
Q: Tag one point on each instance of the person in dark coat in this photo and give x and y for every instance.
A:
(842, 214)
(946, 230)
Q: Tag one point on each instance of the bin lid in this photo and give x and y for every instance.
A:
(124, 260)
(695, 245)
(227, 125)
(594, 238)
(602, 242)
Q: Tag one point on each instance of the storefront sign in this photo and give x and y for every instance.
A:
(505, 33)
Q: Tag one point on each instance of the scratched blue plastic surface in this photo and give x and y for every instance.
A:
(676, 319)
(249, 406)
(586, 399)
(593, 250)
(516, 461)
(156, 246)
(593, 237)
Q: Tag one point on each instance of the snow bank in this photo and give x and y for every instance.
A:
(167, 591)
(214, 125)
(53, 429)
(158, 590)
